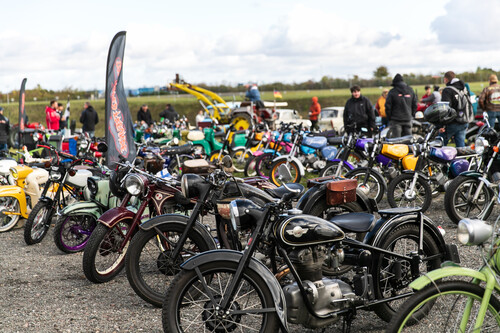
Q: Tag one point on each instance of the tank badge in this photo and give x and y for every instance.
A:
(297, 231)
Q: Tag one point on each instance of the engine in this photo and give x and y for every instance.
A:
(325, 295)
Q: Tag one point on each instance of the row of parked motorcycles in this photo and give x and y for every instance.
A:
(222, 253)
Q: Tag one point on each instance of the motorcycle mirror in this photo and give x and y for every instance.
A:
(284, 173)
(227, 162)
(102, 147)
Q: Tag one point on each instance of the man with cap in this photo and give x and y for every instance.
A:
(144, 115)
(489, 100)
(400, 107)
(4, 131)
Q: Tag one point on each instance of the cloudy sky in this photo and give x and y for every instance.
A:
(59, 44)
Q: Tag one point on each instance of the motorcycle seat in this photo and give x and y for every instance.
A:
(335, 140)
(354, 222)
(279, 192)
(399, 210)
(407, 139)
(184, 149)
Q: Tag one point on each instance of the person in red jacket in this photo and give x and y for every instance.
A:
(52, 117)
(314, 112)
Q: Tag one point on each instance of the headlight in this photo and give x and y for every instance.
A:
(92, 186)
(191, 184)
(239, 210)
(134, 184)
(264, 139)
(473, 232)
(480, 144)
(55, 175)
(13, 172)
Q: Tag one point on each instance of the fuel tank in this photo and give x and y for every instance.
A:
(306, 230)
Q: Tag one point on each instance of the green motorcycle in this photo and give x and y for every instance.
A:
(454, 298)
(205, 141)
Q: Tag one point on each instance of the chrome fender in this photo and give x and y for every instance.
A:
(259, 268)
(294, 159)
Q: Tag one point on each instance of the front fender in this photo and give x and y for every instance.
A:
(82, 208)
(115, 215)
(444, 272)
(179, 219)
(259, 268)
(471, 173)
(294, 159)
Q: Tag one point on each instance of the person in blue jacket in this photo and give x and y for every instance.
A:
(253, 93)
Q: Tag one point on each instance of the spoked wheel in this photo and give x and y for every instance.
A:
(150, 263)
(71, 233)
(9, 213)
(249, 169)
(38, 223)
(104, 255)
(400, 193)
(294, 171)
(391, 275)
(370, 182)
(447, 304)
(331, 169)
(459, 200)
(192, 302)
(240, 157)
(263, 164)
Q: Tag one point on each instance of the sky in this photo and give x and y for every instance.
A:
(60, 44)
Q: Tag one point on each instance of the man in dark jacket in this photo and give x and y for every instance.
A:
(144, 115)
(89, 119)
(358, 111)
(169, 114)
(456, 129)
(4, 131)
(400, 107)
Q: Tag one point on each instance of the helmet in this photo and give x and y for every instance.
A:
(488, 133)
(440, 113)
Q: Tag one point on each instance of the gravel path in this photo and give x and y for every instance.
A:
(43, 290)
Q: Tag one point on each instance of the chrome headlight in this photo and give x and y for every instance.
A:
(92, 186)
(184, 185)
(480, 145)
(191, 184)
(134, 184)
(14, 174)
(473, 232)
(55, 175)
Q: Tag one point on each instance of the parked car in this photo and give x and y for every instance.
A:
(290, 116)
(332, 118)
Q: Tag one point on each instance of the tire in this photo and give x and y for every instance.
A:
(331, 169)
(10, 205)
(294, 170)
(38, 223)
(101, 259)
(149, 264)
(456, 199)
(445, 302)
(241, 121)
(398, 189)
(72, 233)
(376, 185)
(354, 158)
(240, 157)
(214, 156)
(263, 164)
(402, 240)
(186, 297)
(249, 170)
(14, 137)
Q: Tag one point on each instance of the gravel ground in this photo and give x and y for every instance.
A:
(43, 290)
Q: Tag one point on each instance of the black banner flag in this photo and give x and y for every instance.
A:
(22, 111)
(119, 127)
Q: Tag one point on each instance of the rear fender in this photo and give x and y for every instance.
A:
(181, 220)
(115, 215)
(222, 256)
(318, 192)
(17, 193)
(83, 208)
(471, 173)
(294, 159)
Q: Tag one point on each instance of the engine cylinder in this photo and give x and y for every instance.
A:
(308, 262)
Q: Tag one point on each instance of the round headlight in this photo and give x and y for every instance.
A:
(190, 185)
(92, 186)
(480, 144)
(13, 172)
(473, 232)
(55, 175)
(134, 184)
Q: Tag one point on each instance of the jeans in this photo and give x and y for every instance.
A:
(399, 128)
(457, 131)
(492, 116)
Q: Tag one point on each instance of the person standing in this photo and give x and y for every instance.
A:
(489, 100)
(434, 97)
(62, 119)
(457, 95)
(52, 117)
(380, 106)
(400, 107)
(314, 111)
(89, 119)
(4, 131)
(169, 114)
(358, 112)
(144, 116)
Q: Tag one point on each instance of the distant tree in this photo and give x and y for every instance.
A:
(381, 72)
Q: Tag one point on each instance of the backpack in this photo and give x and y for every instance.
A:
(465, 112)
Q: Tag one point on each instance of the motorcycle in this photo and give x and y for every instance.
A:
(454, 298)
(228, 149)
(226, 290)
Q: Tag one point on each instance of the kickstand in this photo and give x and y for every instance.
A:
(346, 326)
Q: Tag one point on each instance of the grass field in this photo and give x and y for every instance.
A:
(189, 106)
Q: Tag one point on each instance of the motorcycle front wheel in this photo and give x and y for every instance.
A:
(193, 300)
(391, 275)
(331, 169)
(400, 194)
(263, 164)
(240, 156)
(10, 213)
(249, 170)
(150, 264)
(459, 202)
(447, 304)
(72, 233)
(38, 223)
(294, 171)
(370, 182)
(104, 255)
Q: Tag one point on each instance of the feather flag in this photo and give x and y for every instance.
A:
(277, 94)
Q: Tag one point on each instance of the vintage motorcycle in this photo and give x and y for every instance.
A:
(225, 290)
(454, 298)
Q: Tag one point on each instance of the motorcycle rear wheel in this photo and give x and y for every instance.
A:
(294, 171)
(38, 223)
(399, 187)
(9, 221)
(72, 233)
